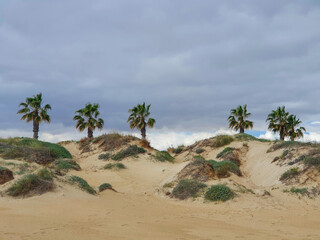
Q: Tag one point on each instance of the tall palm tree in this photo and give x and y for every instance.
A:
(278, 121)
(293, 131)
(139, 118)
(32, 110)
(237, 119)
(87, 118)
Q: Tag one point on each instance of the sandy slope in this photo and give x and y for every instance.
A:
(139, 211)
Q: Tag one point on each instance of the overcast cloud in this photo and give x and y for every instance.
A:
(192, 60)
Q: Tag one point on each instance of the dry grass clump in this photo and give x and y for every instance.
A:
(113, 141)
(6, 175)
(291, 173)
(163, 156)
(198, 169)
(82, 184)
(187, 188)
(222, 169)
(131, 151)
(115, 166)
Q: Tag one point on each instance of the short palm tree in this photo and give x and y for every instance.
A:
(32, 110)
(293, 131)
(87, 118)
(278, 121)
(237, 119)
(139, 118)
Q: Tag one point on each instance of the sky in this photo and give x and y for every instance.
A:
(192, 61)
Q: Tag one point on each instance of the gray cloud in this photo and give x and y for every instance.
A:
(193, 60)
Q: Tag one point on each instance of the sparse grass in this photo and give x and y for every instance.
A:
(289, 144)
(222, 140)
(3, 168)
(284, 154)
(302, 191)
(113, 141)
(64, 164)
(219, 193)
(132, 150)
(241, 189)
(163, 156)
(199, 150)
(247, 137)
(311, 161)
(223, 168)
(45, 174)
(225, 151)
(116, 166)
(104, 156)
(30, 184)
(169, 185)
(105, 186)
(292, 172)
(297, 160)
(82, 184)
(187, 188)
(198, 157)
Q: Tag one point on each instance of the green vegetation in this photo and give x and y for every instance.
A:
(292, 172)
(138, 118)
(219, 193)
(301, 191)
(163, 156)
(223, 168)
(45, 174)
(178, 150)
(82, 184)
(222, 140)
(247, 137)
(32, 184)
(132, 150)
(237, 119)
(87, 117)
(112, 141)
(116, 166)
(187, 188)
(32, 110)
(3, 168)
(104, 156)
(104, 186)
(168, 185)
(225, 151)
(284, 154)
(289, 144)
(63, 164)
(199, 150)
(311, 161)
(32, 150)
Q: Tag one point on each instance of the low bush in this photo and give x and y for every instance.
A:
(116, 166)
(82, 184)
(292, 172)
(222, 140)
(45, 174)
(302, 191)
(287, 144)
(104, 156)
(104, 186)
(225, 151)
(187, 188)
(199, 150)
(284, 154)
(163, 156)
(223, 168)
(297, 160)
(219, 193)
(29, 185)
(132, 150)
(311, 161)
(63, 164)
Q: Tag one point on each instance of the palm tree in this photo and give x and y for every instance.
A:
(292, 123)
(33, 111)
(278, 121)
(87, 118)
(237, 119)
(139, 118)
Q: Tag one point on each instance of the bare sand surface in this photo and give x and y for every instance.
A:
(139, 210)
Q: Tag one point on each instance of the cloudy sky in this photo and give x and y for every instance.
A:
(192, 60)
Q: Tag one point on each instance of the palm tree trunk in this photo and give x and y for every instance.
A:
(143, 132)
(241, 130)
(35, 127)
(90, 133)
(281, 134)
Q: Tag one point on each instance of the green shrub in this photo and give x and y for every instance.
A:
(225, 151)
(3, 168)
(301, 191)
(168, 185)
(132, 150)
(219, 193)
(198, 157)
(29, 184)
(223, 168)
(247, 137)
(82, 184)
(199, 150)
(63, 164)
(45, 174)
(187, 188)
(284, 154)
(178, 150)
(292, 172)
(222, 140)
(163, 156)
(104, 186)
(311, 161)
(116, 166)
(104, 156)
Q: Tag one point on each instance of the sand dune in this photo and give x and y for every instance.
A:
(141, 210)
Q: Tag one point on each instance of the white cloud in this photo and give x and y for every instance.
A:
(269, 135)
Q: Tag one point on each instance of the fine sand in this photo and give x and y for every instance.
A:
(141, 210)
